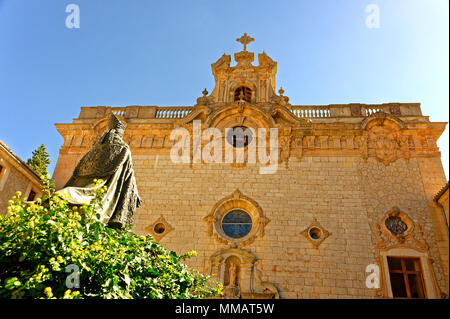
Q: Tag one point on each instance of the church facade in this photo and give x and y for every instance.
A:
(341, 207)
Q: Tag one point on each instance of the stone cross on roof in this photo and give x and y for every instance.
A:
(245, 39)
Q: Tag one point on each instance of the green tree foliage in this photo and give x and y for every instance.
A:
(41, 241)
(40, 160)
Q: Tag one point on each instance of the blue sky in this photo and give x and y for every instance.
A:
(160, 53)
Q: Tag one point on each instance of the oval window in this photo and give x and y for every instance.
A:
(396, 225)
(237, 223)
(315, 233)
(159, 228)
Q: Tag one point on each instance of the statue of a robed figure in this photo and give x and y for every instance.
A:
(108, 160)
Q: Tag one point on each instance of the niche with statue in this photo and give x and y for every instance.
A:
(239, 272)
(232, 277)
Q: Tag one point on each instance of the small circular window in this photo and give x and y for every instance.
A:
(237, 223)
(315, 233)
(159, 228)
(239, 136)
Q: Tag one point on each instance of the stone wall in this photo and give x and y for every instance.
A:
(343, 175)
(401, 185)
(345, 195)
(12, 182)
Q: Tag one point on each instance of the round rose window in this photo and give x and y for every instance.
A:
(237, 223)
(239, 136)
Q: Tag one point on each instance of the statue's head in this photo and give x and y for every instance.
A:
(115, 123)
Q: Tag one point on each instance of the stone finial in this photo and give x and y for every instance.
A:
(245, 39)
(203, 100)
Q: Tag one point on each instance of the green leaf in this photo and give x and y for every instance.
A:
(110, 263)
(127, 279)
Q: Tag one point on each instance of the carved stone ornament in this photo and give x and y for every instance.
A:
(298, 148)
(236, 202)
(361, 143)
(280, 100)
(385, 145)
(383, 138)
(397, 229)
(315, 233)
(395, 110)
(356, 110)
(159, 228)
(285, 148)
(386, 141)
(405, 153)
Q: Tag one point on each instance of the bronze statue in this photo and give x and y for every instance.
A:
(108, 160)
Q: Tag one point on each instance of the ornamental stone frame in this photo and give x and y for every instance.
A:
(431, 287)
(412, 237)
(395, 212)
(236, 201)
(159, 235)
(324, 234)
(411, 243)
